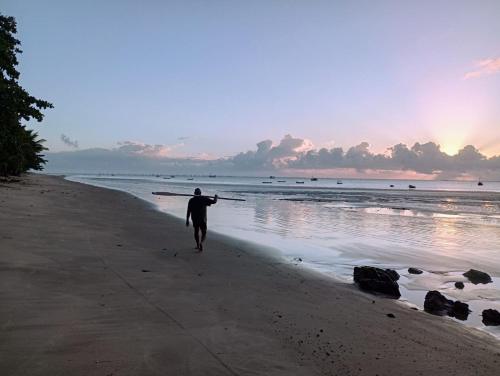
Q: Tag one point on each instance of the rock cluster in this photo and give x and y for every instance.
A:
(384, 281)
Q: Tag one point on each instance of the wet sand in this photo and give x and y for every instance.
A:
(96, 282)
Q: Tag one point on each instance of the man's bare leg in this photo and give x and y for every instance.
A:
(197, 236)
(203, 236)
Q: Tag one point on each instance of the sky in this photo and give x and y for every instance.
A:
(212, 79)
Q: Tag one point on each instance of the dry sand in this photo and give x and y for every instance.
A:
(96, 282)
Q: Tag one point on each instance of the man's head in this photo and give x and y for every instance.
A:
(197, 192)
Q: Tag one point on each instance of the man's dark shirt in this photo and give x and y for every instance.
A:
(197, 206)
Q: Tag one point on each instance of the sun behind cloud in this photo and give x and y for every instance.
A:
(451, 147)
(452, 138)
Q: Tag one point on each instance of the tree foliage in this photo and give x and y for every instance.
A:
(20, 148)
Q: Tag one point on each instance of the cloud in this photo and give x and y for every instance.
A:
(484, 67)
(268, 156)
(127, 156)
(290, 155)
(68, 141)
(146, 150)
(426, 158)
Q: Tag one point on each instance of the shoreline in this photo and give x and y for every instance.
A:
(96, 280)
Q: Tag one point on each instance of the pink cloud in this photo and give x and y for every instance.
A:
(146, 150)
(484, 67)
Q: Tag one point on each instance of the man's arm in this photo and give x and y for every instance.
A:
(210, 201)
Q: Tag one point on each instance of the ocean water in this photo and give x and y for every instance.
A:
(330, 225)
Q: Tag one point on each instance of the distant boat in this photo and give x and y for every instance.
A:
(267, 182)
(392, 186)
(411, 186)
(339, 182)
(190, 178)
(281, 181)
(479, 183)
(157, 176)
(314, 179)
(166, 178)
(212, 176)
(172, 176)
(299, 182)
(272, 177)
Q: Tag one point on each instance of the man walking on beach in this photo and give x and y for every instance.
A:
(197, 209)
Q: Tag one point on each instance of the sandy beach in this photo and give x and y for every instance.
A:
(98, 282)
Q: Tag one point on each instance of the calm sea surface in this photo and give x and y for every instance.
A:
(441, 227)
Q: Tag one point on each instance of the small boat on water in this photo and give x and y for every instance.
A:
(314, 179)
(339, 182)
(412, 186)
(480, 183)
(299, 182)
(267, 182)
(212, 176)
(281, 181)
(190, 178)
(272, 177)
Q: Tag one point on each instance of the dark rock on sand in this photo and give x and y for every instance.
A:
(459, 285)
(414, 271)
(477, 277)
(437, 304)
(460, 310)
(491, 317)
(377, 280)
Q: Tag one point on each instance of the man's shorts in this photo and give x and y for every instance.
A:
(200, 225)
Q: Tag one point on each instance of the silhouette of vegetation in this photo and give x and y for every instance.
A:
(20, 147)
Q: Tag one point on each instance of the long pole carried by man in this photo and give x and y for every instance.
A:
(190, 195)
